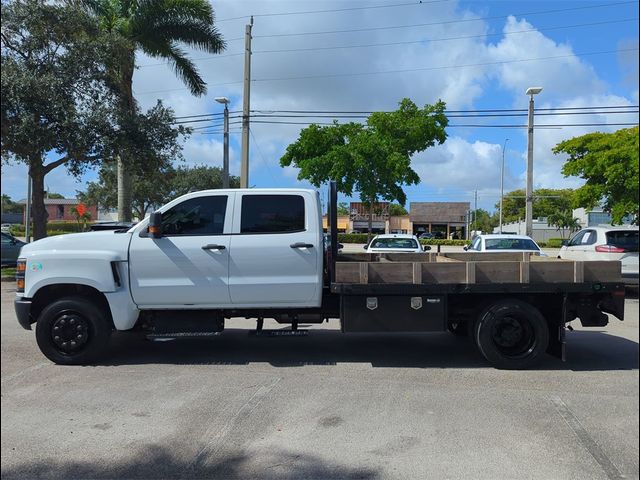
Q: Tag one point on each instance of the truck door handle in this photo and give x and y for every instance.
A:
(301, 245)
(213, 246)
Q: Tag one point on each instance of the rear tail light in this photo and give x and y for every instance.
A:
(21, 268)
(609, 249)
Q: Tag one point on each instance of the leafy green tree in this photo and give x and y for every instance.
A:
(483, 221)
(157, 28)
(373, 159)
(187, 179)
(397, 210)
(53, 195)
(154, 187)
(9, 206)
(54, 104)
(609, 164)
(343, 208)
(545, 202)
(563, 221)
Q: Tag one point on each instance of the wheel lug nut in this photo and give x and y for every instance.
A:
(72, 321)
(79, 327)
(64, 344)
(73, 344)
(79, 337)
(62, 323)
(55, 329)
(56, 337)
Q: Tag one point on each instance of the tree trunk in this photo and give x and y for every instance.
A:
(38, 209)
(124, 192)
(370, 226)
(123, 162)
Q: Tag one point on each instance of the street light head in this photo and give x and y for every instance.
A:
(224, 100)
(533, 90)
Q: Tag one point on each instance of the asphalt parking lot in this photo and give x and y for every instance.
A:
(322, 406)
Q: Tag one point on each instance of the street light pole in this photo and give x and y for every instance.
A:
(529, 193)
(502, 182)
(225, 157)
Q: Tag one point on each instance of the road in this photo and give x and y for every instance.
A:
(324, 406)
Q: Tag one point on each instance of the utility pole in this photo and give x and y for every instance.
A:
(529, 193)
(475, 210)
(225, 154)
(244, 160)
(502, 183)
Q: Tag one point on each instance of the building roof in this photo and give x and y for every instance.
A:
(54, 201)
(438, 212)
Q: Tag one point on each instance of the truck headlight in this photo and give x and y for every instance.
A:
(21, 268)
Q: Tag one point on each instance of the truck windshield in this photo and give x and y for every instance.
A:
(394, 243)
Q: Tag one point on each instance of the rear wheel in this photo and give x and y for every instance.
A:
(511, 334)
(72, 331)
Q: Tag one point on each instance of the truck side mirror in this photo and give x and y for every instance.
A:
(465, 248)
(155, 225)
(427, 248)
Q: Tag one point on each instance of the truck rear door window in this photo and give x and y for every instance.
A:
(272, 214)
(196, 216)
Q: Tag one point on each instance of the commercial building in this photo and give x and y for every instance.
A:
(449, 219)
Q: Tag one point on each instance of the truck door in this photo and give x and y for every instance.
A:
(276, 250)
(189, 264)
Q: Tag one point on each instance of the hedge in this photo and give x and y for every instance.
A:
(53, 228)
(362, 238)
(555, 242)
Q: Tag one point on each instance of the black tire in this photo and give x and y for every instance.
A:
(511, 334)
(73, 331)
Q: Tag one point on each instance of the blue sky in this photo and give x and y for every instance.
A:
(474, 55)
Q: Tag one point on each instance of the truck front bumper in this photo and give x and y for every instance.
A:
(23, 312)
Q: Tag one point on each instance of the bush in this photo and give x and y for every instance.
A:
(450, 243)
(352, 238)
(53, 228)
(554, 242)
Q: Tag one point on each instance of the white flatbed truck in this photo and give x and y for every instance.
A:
(211, 256)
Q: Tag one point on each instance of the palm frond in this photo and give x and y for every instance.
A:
(184, 68)
(197, 35)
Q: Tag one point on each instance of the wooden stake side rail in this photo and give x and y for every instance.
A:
(460, 268)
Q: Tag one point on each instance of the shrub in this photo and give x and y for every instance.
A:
(352, 238)
(554, 242)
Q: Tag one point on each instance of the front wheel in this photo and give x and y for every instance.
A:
(512, 334)
(72, 331)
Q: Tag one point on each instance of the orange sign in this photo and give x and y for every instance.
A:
(81, 209)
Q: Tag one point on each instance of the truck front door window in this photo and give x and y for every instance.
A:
(196, 216)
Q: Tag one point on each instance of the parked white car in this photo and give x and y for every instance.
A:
(395, 243)
(504, 243)
(606, 243)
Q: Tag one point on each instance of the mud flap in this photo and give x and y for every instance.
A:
(557, 333)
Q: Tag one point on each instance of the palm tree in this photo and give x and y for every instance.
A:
(564, 220)
(157, 28)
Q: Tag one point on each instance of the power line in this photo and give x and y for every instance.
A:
(452, 115)
(447, 22)
(409, 42)
(486, 110)
(308, 12)
(431, 40)
(407, 70)
(255, 142)
(443, 67)
(476, 125)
